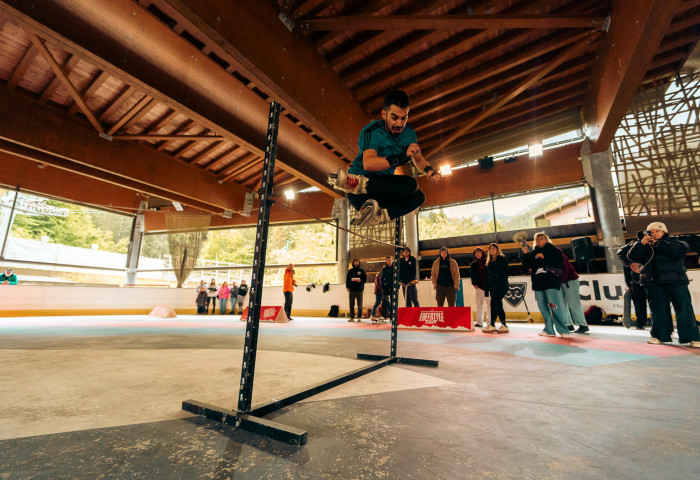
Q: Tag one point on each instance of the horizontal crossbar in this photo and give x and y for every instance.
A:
(249, 423)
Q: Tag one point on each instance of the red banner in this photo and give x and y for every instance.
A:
(442, 317)
(268, 314)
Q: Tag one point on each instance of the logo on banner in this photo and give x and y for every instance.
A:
(431, 318)
(269, 313)
(516, 294)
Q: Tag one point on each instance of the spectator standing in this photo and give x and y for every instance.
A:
(570, 289)
(212, 292)
(355, 284)
(481, 295)
(407, 278)
(234, 296)
(223, 295)
(663, 274)
(497, 276)
(387, 281)
(636, 291)
(287, 288)
(201, 300)
(445, 277)
(8, 277)
(242, 292)
(544, 262)
(378, 295)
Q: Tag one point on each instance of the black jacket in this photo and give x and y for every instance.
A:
(356, 272)
(631, 278)
(407, 270)
(242, 290)
(546, 270)
(663, 262)
(477, 281)
(497, 275)
(387, 279)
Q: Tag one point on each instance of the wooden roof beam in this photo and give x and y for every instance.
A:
(450, 22)
(624, 55)
(572, 52)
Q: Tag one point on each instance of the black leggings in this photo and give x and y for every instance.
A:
(497, 309)
(398, 194)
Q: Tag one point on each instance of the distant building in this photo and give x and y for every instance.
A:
(578, 210)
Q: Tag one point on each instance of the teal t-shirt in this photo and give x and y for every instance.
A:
(375, 137)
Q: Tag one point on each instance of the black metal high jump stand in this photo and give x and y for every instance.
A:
(247, 417)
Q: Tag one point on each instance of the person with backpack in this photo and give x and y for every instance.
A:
(570, 290)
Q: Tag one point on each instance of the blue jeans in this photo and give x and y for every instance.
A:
(377, 301)
(544, 298)
(572, 299)
(222, 306)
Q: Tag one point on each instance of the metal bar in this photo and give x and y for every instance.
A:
(64, 265)
(417, 361)
(274, 430)
(9, 223)
(269, 407)
(251, 334)
(395, 296)
(245, 267)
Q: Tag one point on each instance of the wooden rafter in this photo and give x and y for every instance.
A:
(24, 64)
(46, 55)
(140, 108)
(152, 138)
(522, 86)
(450, 22)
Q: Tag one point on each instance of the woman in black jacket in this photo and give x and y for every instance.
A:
(664, 277)
(480, 283)
(497, 279)
(545, 262)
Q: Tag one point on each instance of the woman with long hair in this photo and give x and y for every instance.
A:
(478, 275)
(497, 276)
(545, 262)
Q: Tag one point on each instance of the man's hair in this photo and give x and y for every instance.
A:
(407, 250)
(398, 98)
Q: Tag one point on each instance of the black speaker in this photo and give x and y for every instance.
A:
(583, 249)
(486, 162)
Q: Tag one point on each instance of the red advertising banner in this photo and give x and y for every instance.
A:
(442, 317)
(268, 314)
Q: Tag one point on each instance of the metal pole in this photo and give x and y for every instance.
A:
(253, 323)
(395, 296)
(495, 227)
(9, 224)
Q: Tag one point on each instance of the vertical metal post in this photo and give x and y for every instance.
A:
(251, 334)
(10, 217)
(395, 296)
(495, 227)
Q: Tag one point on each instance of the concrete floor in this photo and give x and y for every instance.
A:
(100, 397)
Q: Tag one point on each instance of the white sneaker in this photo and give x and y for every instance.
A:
(489, 329)
(503, 329)
(694, 344)
(370, 214)
(347, 182)
(545, 334)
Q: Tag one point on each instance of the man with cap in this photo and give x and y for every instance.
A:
(663, 275)
(8, 277)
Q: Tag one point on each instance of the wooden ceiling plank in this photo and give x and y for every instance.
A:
(139, 49)
(636, 30)
(561, 58)
(450, 22)
(181, 128)
(117, 102)
(93, 86)
(27, 60)
(222, 157)
(140, 106)
(166, 137)
(67, 66)
(46, 55)
(304, 7)
(242, 165)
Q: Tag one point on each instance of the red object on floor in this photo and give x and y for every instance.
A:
(268, 314)
(442, 317)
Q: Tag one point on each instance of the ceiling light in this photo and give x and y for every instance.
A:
(289, 194)
(178, 206)
(445, 170)
(535, 150)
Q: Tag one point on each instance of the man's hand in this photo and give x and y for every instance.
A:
(434, 176)
(413, 150)
(647, 239)
(525, 249)
(539, 255)
(636, 267)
